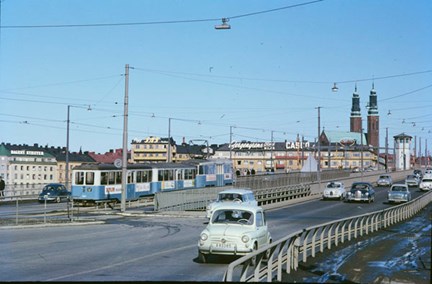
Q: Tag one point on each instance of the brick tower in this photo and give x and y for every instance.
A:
(373, 121)
(355, 119)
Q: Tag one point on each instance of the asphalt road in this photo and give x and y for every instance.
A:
(142, 247)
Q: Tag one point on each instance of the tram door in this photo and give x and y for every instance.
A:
(220, 175)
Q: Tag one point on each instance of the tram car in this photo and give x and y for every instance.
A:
(212, 172)
(97, 182)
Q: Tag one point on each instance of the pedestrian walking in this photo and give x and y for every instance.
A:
(2, 186)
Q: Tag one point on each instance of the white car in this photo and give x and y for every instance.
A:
(334, 190)
(384, 180)
(426, 183)
(233, 195)
(399, 193)
(234, 229)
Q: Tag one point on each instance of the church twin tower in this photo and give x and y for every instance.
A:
(372, 134)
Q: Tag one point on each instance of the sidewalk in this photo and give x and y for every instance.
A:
(400, 254)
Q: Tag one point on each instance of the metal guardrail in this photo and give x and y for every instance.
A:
(198, 199)
(286, 253)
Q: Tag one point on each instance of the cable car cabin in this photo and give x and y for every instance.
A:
(92, 182)
(212, 172)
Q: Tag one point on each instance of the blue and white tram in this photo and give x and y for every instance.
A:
(91, 182)
(216, 172)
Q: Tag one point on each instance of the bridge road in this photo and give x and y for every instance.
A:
(142, 247)
(400, 254)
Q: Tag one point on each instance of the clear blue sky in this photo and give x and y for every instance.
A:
(268, 73)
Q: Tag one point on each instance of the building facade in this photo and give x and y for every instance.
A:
(25, 165)
(34, 165)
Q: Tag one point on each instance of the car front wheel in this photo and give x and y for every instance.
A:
(202, 257)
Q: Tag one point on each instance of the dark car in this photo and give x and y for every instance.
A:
(418, 173)
(55, 192)
(361, 191)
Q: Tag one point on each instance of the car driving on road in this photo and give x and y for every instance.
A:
(334, 190)
(412, 180)
(361, 191)
(426, 183)
(233, 195)
(384, 180)
(55, 192)
(234, 229)
(399, 193)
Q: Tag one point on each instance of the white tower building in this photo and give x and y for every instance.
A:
(402, 145)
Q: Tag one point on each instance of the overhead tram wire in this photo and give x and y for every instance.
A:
(154, 22)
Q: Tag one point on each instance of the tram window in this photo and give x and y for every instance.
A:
(90, 178)
(211, 169)
(143, 176)
(104, 178)
(168, 175)
(201, 170)
(129, 177)
(118, 177)
(160, 175)
(189, 174)
(79, 178)
(111, 178)
(180, 174)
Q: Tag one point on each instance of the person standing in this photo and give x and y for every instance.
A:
(2, 186)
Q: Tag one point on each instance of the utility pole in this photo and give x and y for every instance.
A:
(125, 141)
(386, 150)
(67, 147)
(319, 147)
(231, 134)
(169, 140)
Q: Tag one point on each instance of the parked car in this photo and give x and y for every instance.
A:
(233, 195)
(399, 193)
(54, 192)
(412, 180)
(334, 190)
(428, 171)
(384, 180)
(361, 191)
(426, 183)
(234, 229)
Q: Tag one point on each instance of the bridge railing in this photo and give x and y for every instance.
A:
(286, 253)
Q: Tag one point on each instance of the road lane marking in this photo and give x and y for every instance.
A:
(121, 263)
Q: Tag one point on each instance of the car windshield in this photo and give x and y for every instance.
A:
(233, 216)
(399, 188)
(333, 185)
(230, 197)
(51, 188)
(384, 177)
(362, 187)
(411, 177)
